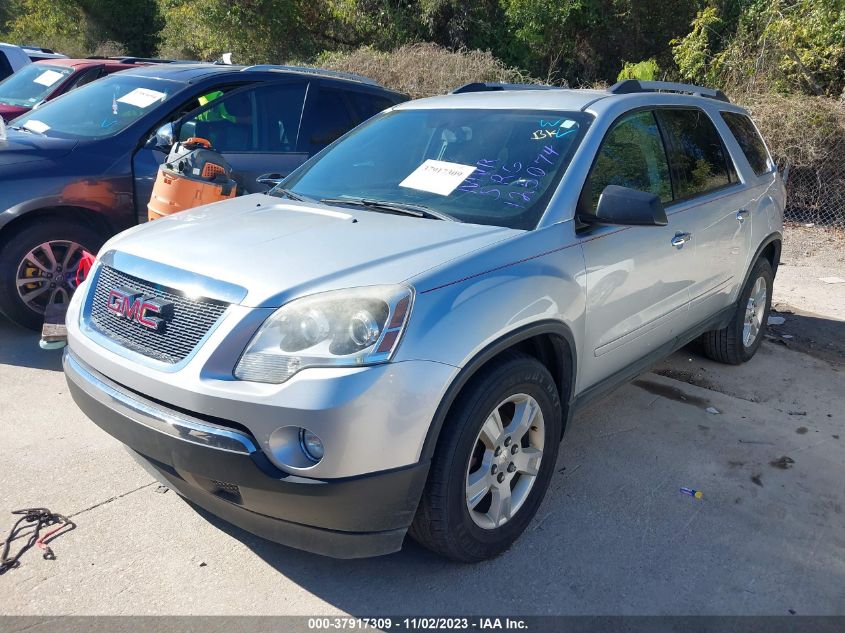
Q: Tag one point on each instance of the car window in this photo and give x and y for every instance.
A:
(228, 122)
(749, 141)
(367, 105)
(261, 119)
(280, 111)
(100, 109)
(326, 119)
(5, 66)
(484, 166)
(697, 156)
(631, 155)
(32, 84)
(86, 77)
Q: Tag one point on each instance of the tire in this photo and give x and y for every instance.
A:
(731, 344)
(62, 236)
(444, 522)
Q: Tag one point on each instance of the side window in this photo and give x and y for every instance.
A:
(367, 105)
(698, 159)
(279, 114)
(749, 141)
(86, 78)
(227, 121)
(325, 120)
(631, 155)
(5, 66)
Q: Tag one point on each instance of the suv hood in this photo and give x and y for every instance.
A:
(26, 147)
(279, 249)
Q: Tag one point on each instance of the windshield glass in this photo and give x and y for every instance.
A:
(101, 108)
(31, 84)
(497, 167)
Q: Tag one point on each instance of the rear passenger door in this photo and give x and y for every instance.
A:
(711, 202)
(637, 277)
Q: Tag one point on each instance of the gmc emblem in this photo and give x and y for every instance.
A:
(134, 306)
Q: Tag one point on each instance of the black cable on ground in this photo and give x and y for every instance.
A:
(34, 519)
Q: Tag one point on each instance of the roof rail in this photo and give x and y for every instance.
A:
(323, 72)
(40, 49)
(123, 59)
(631, 86)
(494, 86)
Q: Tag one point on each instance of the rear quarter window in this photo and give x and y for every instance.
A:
(749, 141)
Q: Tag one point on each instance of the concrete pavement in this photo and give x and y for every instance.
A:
(614, 535)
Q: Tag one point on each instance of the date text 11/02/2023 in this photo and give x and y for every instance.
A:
(417, 623)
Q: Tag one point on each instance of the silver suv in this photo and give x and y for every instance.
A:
(394, 338)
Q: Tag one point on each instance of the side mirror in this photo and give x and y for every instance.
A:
(163, 138)
(270, 180)
(629, 207)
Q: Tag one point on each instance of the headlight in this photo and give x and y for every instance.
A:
(341, 328)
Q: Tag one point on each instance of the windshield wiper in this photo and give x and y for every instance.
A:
(280, 191)
(414, 210)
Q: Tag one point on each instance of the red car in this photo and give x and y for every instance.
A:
(45, 80)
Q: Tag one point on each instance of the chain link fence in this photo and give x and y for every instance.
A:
(806, 135)
(815, 194)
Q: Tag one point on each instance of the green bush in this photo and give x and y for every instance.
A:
(646, 70)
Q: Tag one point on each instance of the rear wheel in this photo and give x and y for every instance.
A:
(38, 267)
(493, 462)
(739, 341)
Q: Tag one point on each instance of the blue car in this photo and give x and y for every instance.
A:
(82, 167)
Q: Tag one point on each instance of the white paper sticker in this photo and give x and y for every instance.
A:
(36, 126)
(568, 123)
(142, 97)
(48, 78)
(437, 176)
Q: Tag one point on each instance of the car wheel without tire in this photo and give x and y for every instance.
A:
(38, 266)
(738, 342)
(493, 461)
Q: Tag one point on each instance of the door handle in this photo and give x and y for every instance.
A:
(270, 180)
(742, 215)
(680, 239)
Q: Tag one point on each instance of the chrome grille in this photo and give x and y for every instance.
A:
(191, 320)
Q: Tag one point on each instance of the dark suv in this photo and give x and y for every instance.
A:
(82, 167)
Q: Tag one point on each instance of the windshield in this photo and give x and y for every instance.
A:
(497, 167)
(31, 84)
(101, 108)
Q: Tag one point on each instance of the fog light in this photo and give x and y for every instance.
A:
(311, 445)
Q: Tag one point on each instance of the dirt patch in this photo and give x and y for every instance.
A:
(672, 393)
(757, 479)
(689, 377)
(801, 430)
(784, 462)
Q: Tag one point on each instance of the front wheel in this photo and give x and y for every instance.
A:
(739, 341)
(39, 265)
(493, 462)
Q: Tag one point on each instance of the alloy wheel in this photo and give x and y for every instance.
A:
(47, 274)
(754, 312)
(505, 461)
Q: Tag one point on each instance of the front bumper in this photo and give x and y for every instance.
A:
(222, 470)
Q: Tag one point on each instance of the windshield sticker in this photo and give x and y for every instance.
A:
(513, 184)
(554, 129)
(142, 97)
(36, 126)
(48, 78)
(437, 176)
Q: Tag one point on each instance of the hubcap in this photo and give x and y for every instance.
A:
(754, 312)
(505, 461)
(47, 274)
